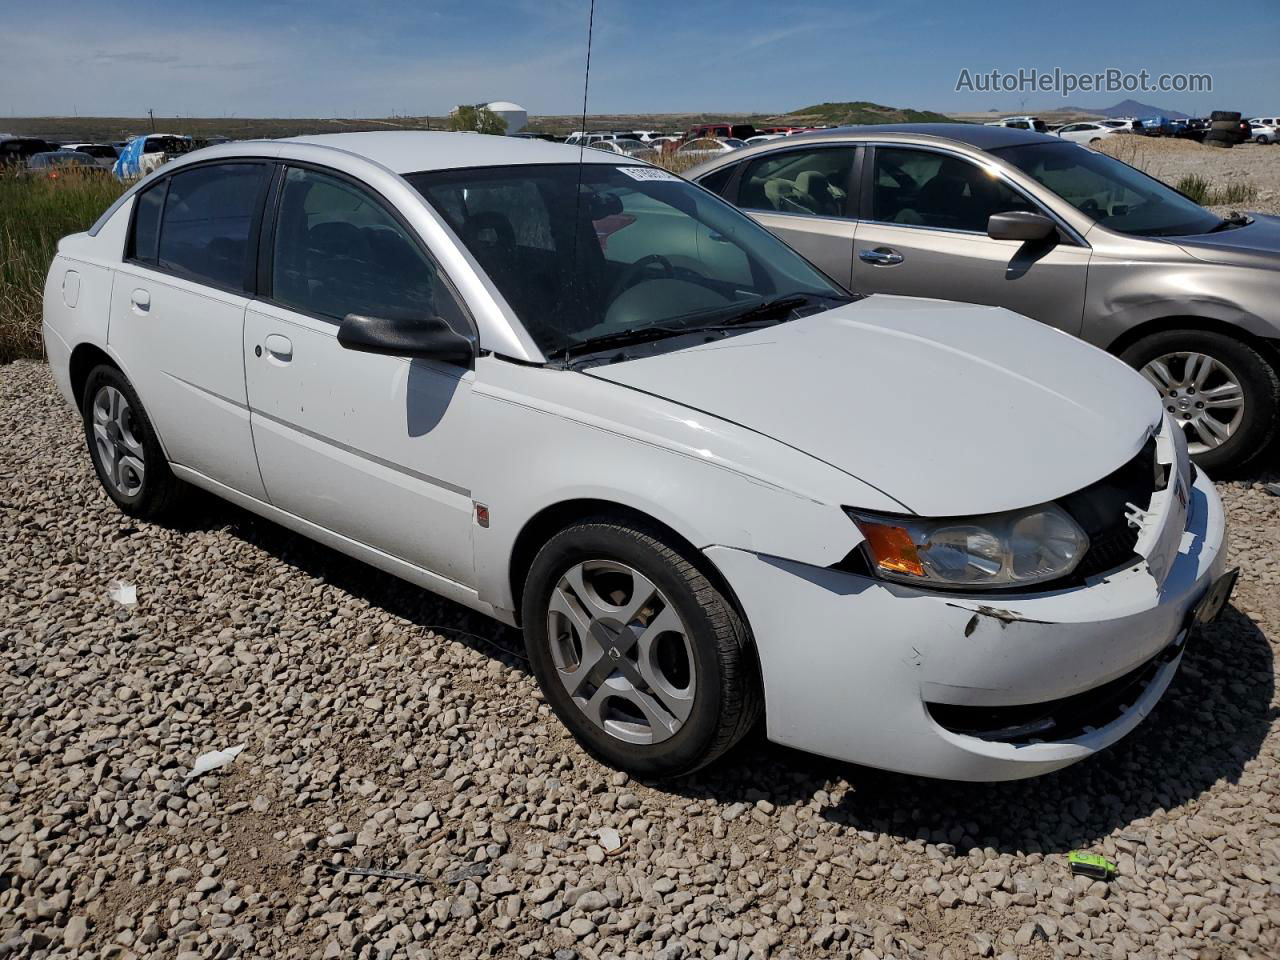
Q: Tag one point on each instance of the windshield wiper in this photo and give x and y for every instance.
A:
(621, 338)
(1232, 219)
(772, 309)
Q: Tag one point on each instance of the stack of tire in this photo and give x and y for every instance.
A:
(1224, 129)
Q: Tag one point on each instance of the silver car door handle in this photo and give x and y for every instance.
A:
(280, 348)
(141, 300)
(881, 257)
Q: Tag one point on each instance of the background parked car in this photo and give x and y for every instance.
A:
(18, 150)
(1193, 128)
(1049, 229)
(721, 131)
(1123, 124)
(1021, 123)
(142, 155)
(705, 147)
(1264, 132)
(55, 162)
(104, 153)
(1084, 132)
(627, 148)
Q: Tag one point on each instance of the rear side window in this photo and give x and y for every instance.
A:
(208, 222)
(811, 182)
(338, 250)
(146, 222)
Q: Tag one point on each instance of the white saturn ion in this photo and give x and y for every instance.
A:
(584, 396)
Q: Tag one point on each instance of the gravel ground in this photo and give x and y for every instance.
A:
(1171, 160)
(389, 730)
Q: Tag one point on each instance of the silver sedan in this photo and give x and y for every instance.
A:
(1049, 229)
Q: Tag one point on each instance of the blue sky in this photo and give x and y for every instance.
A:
(345, 58)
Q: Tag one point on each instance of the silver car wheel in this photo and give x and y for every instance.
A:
(119, 450)
(621, 651)
(1200, 393)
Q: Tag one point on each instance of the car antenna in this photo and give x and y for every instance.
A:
(582, 147)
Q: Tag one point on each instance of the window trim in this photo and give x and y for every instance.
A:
(265, 260)
(248, 289)
(1066, 233)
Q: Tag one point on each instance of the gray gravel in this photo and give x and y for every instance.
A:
(386, 730)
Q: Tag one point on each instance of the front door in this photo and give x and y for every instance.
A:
(925, 235)
(371, 447)
(177, 312)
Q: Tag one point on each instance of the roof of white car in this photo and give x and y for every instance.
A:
(411, 151)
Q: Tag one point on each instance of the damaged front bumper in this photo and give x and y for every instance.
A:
(958, 687)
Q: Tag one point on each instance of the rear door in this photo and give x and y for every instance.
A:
(924, 234)
(177, 313)
(806, 195)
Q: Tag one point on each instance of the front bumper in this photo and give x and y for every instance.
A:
(849, 663)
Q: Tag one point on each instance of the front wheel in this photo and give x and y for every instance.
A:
(638, 653)
(1220, 390)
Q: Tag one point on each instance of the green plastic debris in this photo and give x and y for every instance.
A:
(1091, 865)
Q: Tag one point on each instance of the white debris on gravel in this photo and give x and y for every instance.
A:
(429, 761)
(213, 760)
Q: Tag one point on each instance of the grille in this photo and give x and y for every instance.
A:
(1100, 511)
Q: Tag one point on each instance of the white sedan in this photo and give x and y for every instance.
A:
(589, 398)
(1086, 133)
(705, 148)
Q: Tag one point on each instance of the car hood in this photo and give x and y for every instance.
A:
(948, 408)
(1257, 244)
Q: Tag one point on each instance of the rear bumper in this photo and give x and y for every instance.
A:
(850, 664)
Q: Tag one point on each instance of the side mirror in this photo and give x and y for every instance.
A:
(406, 336)
(1020, 225)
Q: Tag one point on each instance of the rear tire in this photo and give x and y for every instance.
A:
(125, 450)
(1236, 435)
(637, 652)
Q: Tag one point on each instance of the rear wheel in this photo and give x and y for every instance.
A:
(124, 448)
(638, 653)
(1222, 392)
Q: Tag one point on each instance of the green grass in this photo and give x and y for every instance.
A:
(34, 214)
(1199, 189)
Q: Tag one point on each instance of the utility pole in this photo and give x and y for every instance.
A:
(152, 114)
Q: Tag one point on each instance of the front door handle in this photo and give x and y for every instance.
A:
(881, 257)
(280, 348)
(141, 300)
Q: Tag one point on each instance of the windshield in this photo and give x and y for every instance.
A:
(1111, 193)
(640, 248)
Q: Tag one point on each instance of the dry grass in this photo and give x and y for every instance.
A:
(35, 213)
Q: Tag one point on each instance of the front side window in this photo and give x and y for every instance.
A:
(799, 181)
(338, 250)
(207, 223)
(928, 189)
(1111, 193)
(584, 251)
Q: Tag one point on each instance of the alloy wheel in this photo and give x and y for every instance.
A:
(621, 651)
(1201, 394)
(119, 449)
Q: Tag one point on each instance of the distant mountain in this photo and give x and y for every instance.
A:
(858, 111)
(1128, 108)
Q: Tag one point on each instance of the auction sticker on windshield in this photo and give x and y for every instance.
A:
(648, 173)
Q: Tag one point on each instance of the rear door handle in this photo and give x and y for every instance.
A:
(881, 257)
(280, 348)
(141, 300)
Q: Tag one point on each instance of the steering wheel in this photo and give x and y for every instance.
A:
(1091, 207)
(632, 273)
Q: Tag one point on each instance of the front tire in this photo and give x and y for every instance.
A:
(1223, 392)
(637, 652)
(125, 450)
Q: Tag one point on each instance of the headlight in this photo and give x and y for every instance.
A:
(1013, 549)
